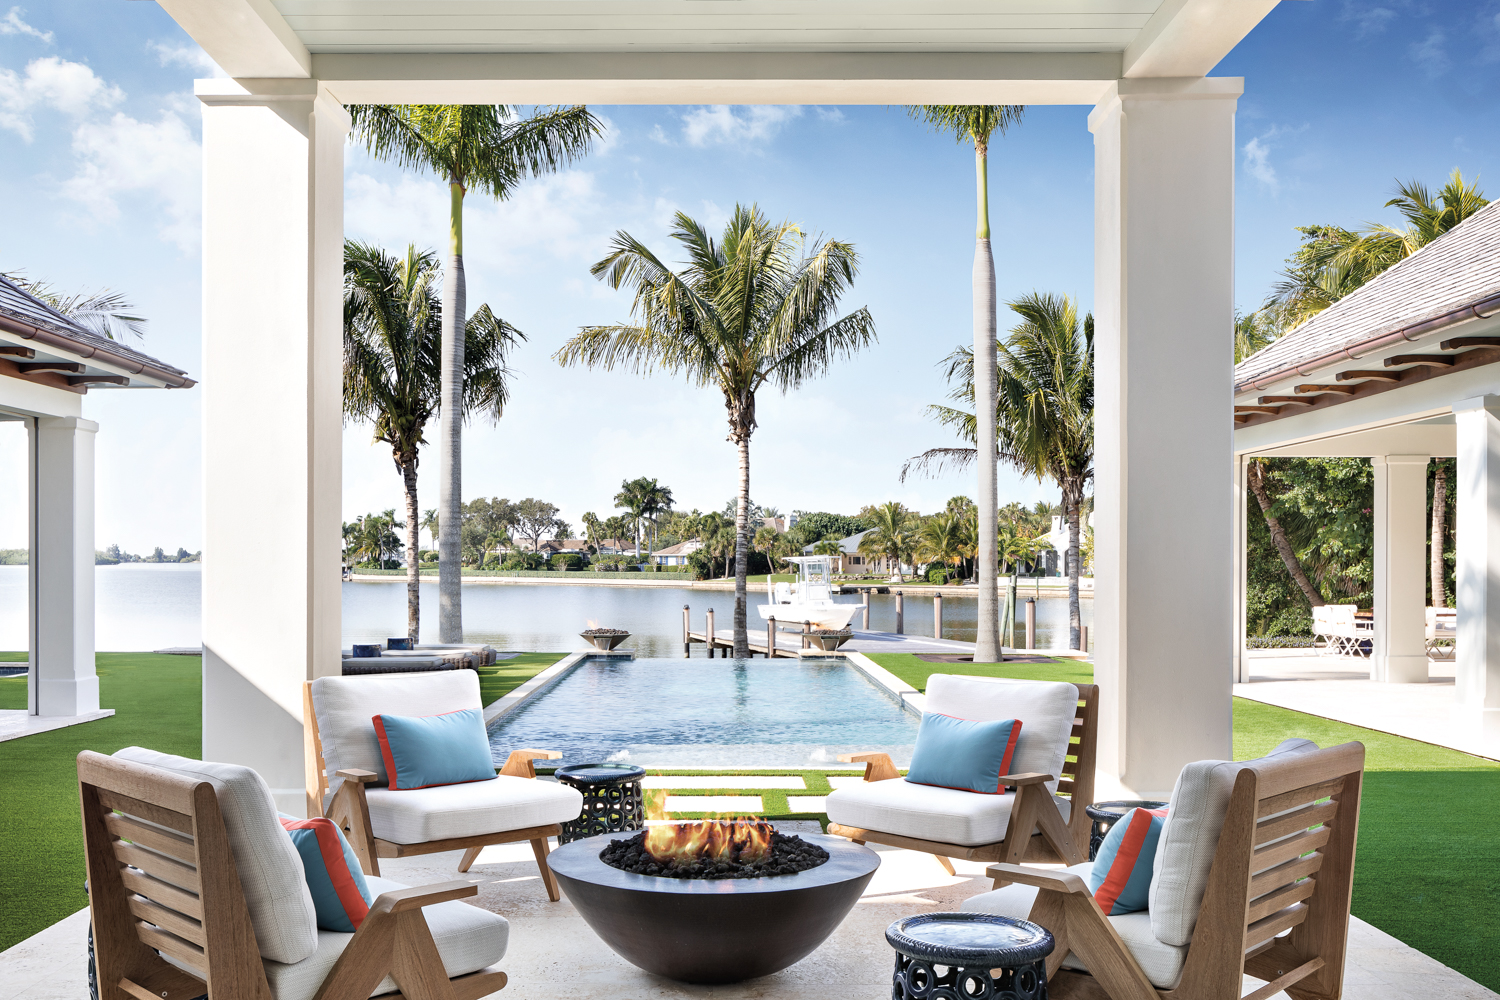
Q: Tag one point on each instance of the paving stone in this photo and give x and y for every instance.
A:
(714, 803)
(724, 781)
(807, 803)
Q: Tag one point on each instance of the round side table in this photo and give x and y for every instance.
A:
(1105, 814)
(611, 799)
(973, 947)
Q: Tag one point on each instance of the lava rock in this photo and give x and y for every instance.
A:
(789, 855)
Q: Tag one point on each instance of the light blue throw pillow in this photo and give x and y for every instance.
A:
(1121, 877)
(963, 753)
(425, 750)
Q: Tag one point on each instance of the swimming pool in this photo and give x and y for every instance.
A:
(710, 713)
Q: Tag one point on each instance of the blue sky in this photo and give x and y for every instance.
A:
(100, 179)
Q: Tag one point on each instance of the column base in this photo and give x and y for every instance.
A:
(1409, 669)
(67, 696)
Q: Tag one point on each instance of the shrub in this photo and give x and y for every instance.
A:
(566, 560)
(938, 575)
(524, 560)
(1278, 642)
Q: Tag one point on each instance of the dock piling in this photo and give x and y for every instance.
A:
(900, 614)
(1083, 638)
(771, 637)
(806, 628)
(1031, 623)
(937, 615)
(866, 602)
(708, 633)
(687, 648)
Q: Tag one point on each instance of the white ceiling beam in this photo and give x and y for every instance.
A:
(720, 78)
(1190, 37)
(247, 38)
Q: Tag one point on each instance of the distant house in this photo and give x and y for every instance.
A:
(1051, 561)
(580, 546)
(676, 555)
(851, 561)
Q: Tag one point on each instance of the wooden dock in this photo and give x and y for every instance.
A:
(773, 638)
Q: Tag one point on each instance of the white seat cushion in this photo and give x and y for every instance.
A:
(344, 707)
(1162, 963)
(1046, 710)
(270, 870)
(926, 812)
(470, 809)
(468, 939)
(1190, 836)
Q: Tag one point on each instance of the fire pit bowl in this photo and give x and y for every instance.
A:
(828, 639)
(605, 639)
(713, 930)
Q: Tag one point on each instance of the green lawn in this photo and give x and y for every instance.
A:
(1428, 869)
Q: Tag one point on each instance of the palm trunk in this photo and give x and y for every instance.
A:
(1439, 514)
(741, 550)
(450, 448)
(987, 647)
(1075, 616)
(413, 573)
(1278, 538)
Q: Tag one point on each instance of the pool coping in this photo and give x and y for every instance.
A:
(518, 696)
(893, 687)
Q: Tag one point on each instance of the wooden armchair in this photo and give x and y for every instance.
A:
(1275, 904)
(1036, 829)
(171, 920)
(467, 817)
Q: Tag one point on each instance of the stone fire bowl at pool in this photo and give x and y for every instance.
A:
(604, 643)
(713, 930)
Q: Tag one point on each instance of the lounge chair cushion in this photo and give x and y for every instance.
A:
(1046, 710)
(926, 812)
(473, 809)
(468, 939)
(344, 707)
(1185, 851)
(1161, 962)
(270, 870)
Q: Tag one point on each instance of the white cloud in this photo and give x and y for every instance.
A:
(722, 124)
(50, 82)
(11, 24)
(1258, 163)
(1367, 20)
(1431, 53)
(160, 161)
(188, 56)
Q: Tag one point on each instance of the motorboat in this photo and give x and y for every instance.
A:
(810, 598)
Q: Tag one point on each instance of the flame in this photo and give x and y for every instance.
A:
(744, 839)
(592, 624)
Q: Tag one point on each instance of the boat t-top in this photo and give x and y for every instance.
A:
(810, 598)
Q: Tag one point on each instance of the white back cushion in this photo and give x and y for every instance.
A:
(345, 705)
(1046, 710)
(270, 870)
(1190, 836)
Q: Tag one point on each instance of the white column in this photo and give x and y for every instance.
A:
(1241, 566)
(63, 554)
(1478, 547)
(272, 278)
(1164, 315)
(1400, 655)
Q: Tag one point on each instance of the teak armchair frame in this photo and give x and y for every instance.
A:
(1037, 831)
(1263, 884)
(162, 879)
(350, 809)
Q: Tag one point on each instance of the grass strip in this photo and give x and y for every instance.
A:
(915, 671)
(499, 679)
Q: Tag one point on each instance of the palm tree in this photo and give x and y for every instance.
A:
(976, 124)
(393, 326)
(890, 536)
(430, 522)
(941, 539)
(644, 499)
(754, 309)
(1045, 413)
(593, 530)
(492, 148)
(1333, 261)
(107, 313)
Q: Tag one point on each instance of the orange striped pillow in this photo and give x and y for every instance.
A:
(1121, 877)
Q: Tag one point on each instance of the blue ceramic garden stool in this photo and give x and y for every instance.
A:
(983, 957)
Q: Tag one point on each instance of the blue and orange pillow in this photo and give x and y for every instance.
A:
(1121, 876)
(337, 883)
(963, 753)
(425, 750)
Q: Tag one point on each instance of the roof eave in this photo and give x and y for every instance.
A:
(134, 365)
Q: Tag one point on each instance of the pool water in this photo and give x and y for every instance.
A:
(710, 713)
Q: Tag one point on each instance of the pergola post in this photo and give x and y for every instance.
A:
(1478, 551)
(1241, 565)
(272, 348)
(63, 567)
(1400, 655)
(1164, 314)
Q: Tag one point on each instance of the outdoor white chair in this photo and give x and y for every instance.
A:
(1350, 633)
(1442, 630)
(346, 778)
(1253, 876)
(1043, 819)
(1324, 628)
(196, 889)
